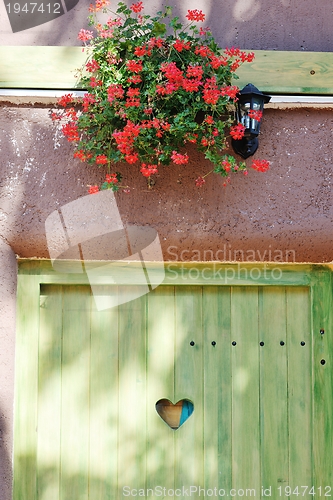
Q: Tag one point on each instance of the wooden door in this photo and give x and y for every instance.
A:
(243, 355)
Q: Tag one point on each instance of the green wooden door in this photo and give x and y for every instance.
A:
(245, 356)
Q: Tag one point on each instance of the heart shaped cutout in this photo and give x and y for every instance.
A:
(174, 414)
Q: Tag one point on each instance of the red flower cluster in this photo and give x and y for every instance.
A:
(99, 5)
(92, 66)
(85, 35)
(207, 142)
(102, 160)
(156, 42)
(180, 45)
(111, 178)
(133, 97)
(134, 79)
(81, 155)
(209, 120)
(226, 165)
(95, 83)
(255, 115)
(161, 126)
(148, 170)
(70, 130)
(216, 62)
(231, 91)
(204, 51)
(260, 165)
(242, 55)
(125, 141)
(237, 131)
(194, 71)
(134, 66)
(153, 87)
(178, 158)
(211, 92)
(65, 100)
(136, 7)
(200, 181)
(115, 91)
(191, 85)
(142, 51)
(87, 100)
(195, 15)
(172, 72)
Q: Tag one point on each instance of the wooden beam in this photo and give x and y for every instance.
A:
(290, 72)
(40, 67)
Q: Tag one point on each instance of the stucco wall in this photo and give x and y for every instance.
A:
(250, 24)
(8, 273)
(287, 208)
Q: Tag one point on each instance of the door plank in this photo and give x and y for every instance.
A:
(160, 385)
(245, 393)
(103, 408)
(75, 393)
(132, 394)
(322, 384)
(188, 384)
(299, 387)
(26, 389)
(49, 393)
(273, 388)
(217, 387)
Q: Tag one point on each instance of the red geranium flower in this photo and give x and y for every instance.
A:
(200, 181)
(195, 15)
(260, 165)
(237, 131)
(136, 7)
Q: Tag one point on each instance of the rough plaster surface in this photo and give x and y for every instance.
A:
(288, 208)
(250, 24)
(8, 272)
(284, 214)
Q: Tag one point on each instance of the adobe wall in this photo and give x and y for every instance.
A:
(283, 214)
(249, 24)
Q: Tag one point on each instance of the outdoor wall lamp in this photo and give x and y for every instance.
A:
(249, 111)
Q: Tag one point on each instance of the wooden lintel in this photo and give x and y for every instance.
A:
(276, 72)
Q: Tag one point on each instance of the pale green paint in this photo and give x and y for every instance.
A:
(323, 379)
(279, 72)
(88, 381)
(274, 430)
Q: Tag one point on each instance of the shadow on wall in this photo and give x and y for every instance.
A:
(249, 24)
(272, 212)
(5, 464)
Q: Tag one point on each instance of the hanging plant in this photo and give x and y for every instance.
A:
(153, 86)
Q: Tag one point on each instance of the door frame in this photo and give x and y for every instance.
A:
(33, 273)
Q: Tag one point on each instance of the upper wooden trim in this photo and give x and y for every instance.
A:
(40, 67)
(176, 273)
(275, 72)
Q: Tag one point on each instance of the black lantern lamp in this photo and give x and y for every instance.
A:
(250, 104)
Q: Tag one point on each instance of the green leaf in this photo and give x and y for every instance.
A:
(159, 28)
